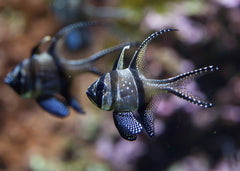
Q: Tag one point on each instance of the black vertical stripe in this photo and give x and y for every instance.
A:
(99, 90)
(114, 79)
(32, 73)
(64, 84)
(53, 54)
(141, 91)
(141, 97)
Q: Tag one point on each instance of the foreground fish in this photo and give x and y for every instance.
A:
(126, 90)
(45, 76)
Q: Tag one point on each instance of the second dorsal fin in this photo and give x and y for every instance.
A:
(137, 61)
(78, 25)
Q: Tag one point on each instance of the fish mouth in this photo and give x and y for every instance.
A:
(91, 97)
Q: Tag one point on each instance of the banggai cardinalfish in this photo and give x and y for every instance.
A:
(47, 76)
(126, 90)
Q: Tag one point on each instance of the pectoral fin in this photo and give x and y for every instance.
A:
(127, 125)
(53, 106)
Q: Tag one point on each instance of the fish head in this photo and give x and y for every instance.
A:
(20, 79)
(100, 92)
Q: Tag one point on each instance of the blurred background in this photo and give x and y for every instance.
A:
(188, 137)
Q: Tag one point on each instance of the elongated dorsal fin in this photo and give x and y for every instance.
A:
(78, 25)
(137, 61)
(68, 28)
(59, 34)
(79, 65)
(119, 62)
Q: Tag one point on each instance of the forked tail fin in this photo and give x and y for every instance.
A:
(175, 85)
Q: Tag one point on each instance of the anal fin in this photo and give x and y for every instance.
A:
(148, 119)
(147, 115)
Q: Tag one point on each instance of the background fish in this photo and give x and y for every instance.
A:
(47, 76)
(126, 90)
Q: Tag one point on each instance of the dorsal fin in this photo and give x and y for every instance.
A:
(69, 28)
(76, 66)
(119, 62)
(137, 61)
(59, 34)
(78, 25)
